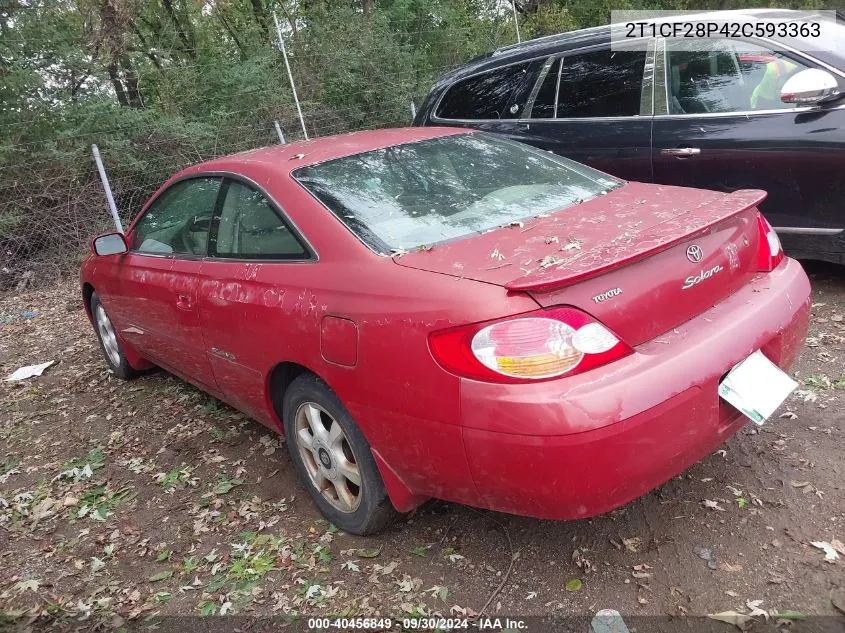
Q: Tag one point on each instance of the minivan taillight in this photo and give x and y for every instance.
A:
(769, 250)
(526, 348)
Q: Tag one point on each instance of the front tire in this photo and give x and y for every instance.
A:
(109, 342)
(333, 459)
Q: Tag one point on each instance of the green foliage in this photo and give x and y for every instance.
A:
(160, 84)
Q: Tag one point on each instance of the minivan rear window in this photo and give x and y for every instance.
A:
(421, 193)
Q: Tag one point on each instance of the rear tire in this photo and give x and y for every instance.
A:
(109, 341)
(333, 459)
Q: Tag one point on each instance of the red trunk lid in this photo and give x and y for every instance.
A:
(628, 258)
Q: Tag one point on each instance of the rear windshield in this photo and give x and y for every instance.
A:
(418, 194)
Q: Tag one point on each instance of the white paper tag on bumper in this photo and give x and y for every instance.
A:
(757, 387)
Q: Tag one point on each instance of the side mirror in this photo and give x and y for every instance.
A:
(809, 86)
(109, 244)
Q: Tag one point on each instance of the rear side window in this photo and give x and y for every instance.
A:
(601, 84)
(495, 94)
(250, 228)
(178, 221)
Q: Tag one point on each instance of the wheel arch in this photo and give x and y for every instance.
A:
(278, 381)
(87, 293)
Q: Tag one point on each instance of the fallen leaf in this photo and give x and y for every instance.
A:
(755, 610)
(351, 565)
(573, 585)
(549, 260)
(788, 615)
(740, 620)
(829, 552)
(27, 585)
(368, 552)
(631, 544)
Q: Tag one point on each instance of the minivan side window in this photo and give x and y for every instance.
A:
(603, 83)
(178, 221)
(704, 76)
(496, 94)
(250, 228)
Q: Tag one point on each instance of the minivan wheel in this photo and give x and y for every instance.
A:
(109, 342)
(333, 459)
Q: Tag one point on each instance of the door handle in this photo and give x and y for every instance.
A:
(184, 302)
(681, 152)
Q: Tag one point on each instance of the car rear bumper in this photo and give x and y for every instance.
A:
(826, 248)
(583, 445)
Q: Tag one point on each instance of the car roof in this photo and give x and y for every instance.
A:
(598, 34)
(285, 158)
(761, 15)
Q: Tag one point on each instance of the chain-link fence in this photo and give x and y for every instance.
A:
(212, 83)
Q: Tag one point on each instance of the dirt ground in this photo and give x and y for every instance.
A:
(135, 498)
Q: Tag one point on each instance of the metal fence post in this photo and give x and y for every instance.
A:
(279, 132)
(290, 75)
(105, 180)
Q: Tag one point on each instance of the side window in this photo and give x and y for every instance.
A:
(495, 94)
(177, 222)
(601, 83)
(725, 76)
(250, 228)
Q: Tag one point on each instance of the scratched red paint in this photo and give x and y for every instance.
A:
(561, 448)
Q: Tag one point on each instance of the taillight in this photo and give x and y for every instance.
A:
(769, 250)
(536, 346)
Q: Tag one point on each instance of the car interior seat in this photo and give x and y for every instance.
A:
(195, 235)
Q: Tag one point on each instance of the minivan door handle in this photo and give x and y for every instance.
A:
(681, 152)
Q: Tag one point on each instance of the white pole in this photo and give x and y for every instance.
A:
(290, 75)
(515, 21)
(107, 187)
(413, 110)
(279, 132)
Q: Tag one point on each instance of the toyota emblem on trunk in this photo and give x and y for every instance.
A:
(694, 253)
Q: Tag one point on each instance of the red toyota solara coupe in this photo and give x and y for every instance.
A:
(444, 313)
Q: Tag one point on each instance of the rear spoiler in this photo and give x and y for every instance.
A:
(601, 258)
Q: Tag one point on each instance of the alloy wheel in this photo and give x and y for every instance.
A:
(107, 336)
(328, 458)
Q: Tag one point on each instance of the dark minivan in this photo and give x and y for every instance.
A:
(721, 114)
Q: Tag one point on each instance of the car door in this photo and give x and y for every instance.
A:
(254, 261)
(594, 105)
(719, 124)
(160, 276)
